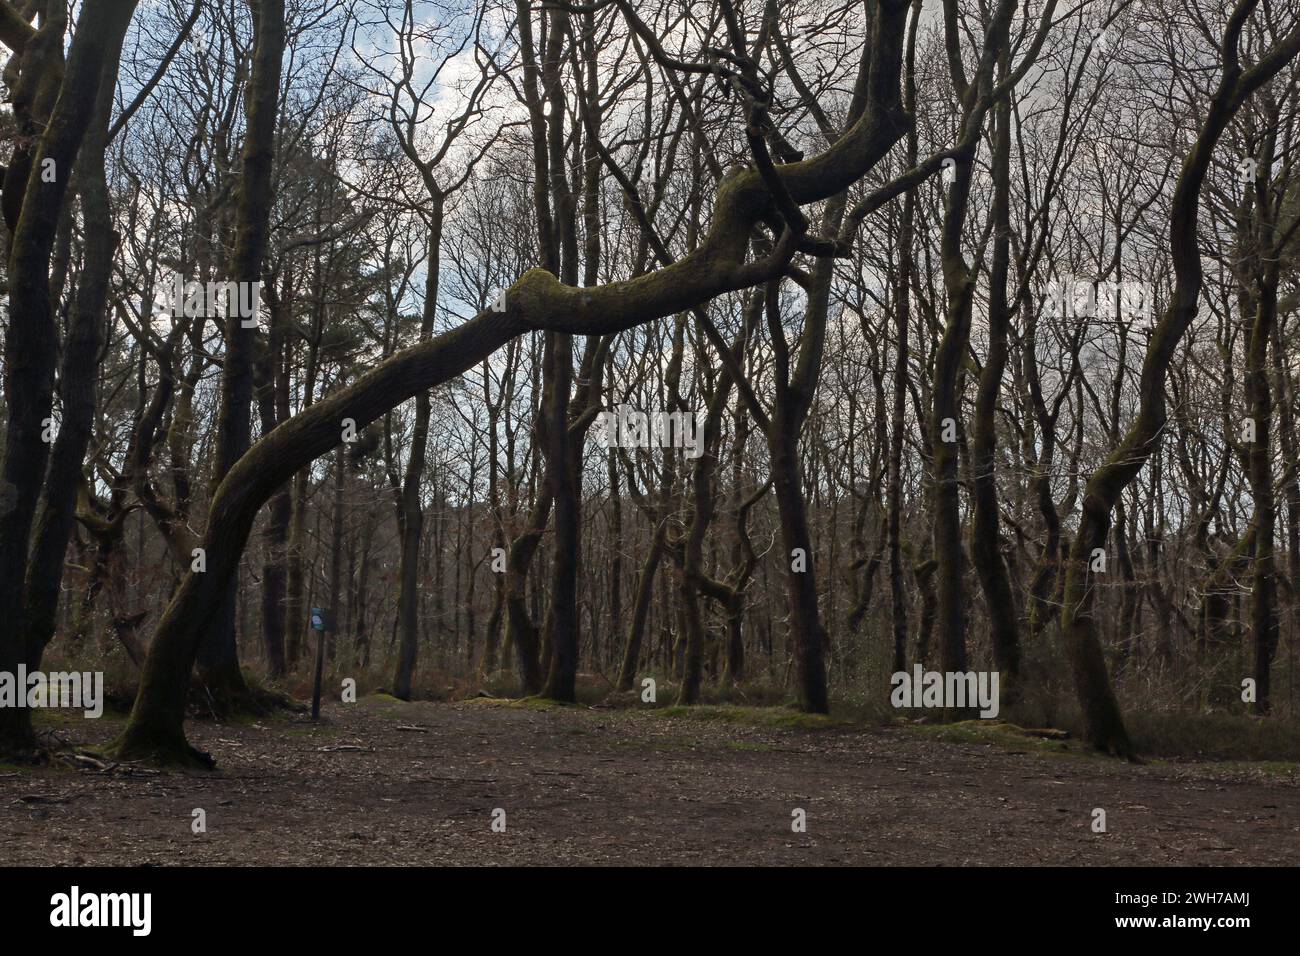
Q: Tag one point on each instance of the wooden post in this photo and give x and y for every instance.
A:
(318, 623)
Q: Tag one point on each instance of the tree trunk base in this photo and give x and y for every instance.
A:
(815, 705)
(20, 748)
(560, 694)
(160, 748)
(1115, 744)
(235, 698)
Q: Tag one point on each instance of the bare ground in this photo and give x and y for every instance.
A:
(382, 782)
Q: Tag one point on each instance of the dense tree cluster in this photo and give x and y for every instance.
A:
(742, 343)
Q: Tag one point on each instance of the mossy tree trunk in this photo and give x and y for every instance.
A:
(218, 657)
(1104, 723)
(35, 190)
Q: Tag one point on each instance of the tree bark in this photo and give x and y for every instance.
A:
(986, 534)
(31, 345)
(412, 523)
(218, 657)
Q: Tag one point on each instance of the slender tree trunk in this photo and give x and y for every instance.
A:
(693, 550)
(807, 635)
(521, 632)
(945, 431)
(275, 535)
(563, 623)
(412, 524)
(986, 536)
(641, 601)
(1264, 621)
(218, 658)
(616, 553)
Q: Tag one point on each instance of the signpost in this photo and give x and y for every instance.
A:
(320, 620)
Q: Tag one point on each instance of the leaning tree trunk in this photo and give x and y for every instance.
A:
(535, 301)
(1104, 724)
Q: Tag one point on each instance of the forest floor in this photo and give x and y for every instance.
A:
(386, 782)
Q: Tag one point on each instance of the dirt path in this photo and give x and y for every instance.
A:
(592, 786)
